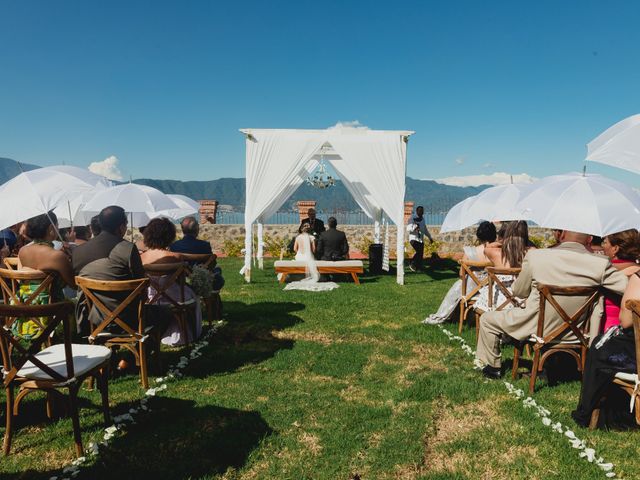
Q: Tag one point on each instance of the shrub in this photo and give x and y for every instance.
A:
(273, 247)
(363, 244)
(233, 247)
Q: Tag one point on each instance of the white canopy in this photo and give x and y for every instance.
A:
(371, 163)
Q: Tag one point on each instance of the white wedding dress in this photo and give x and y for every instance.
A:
(312, 281)
(453, 296)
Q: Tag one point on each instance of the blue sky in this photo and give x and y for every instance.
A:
(508, 86)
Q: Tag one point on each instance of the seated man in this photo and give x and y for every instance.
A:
(109, 257)
(332, 244)
(191, 244)
(569, 264)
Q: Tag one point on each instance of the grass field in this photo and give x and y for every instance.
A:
(333, 385)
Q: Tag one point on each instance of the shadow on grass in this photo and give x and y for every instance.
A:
(248, 336)
(179, 440)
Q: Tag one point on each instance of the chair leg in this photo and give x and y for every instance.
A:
(595, 415)
(75, 419)
(50, 408)
(8, 433)
(534, 370)
(144, 379)
(461, 320)
(477, 317)
(103, 385)
(218, 305)
(516, 362)
(209, 304)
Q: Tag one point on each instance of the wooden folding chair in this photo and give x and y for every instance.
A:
(162, 278)
(133, 339)
(470, 271)
(51, 369)
(627, 381)
(547, 344)
(213, 302)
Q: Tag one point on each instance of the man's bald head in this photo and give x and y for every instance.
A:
(581, 238)
(190, 226)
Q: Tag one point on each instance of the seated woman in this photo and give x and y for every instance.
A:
(623, 248)
(611, 352)
(510, 254)
(485, 234)
(159, 234)
(41, 255)
(301, 244)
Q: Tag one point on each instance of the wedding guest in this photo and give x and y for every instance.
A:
(485, 234)
(417, 231)
(609, 353)
(159, 234)
(140, 245)
(191, 244)
(94, 226)
(40, 253)
(569, 264)
(623, 249)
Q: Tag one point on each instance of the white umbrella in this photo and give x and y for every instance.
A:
(586, 203)
(618, 146)
(36, 192)
(132, 197)
(493, 204)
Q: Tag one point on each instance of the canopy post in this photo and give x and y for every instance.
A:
(400, 253)
(260, 245)
(246, 269)
(377, 233)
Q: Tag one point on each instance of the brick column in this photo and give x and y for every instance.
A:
(208, 210)
(304, 206)
(408, 211)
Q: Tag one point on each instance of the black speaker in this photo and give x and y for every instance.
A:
(375, 258)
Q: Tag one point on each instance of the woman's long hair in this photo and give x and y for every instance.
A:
(514, 243)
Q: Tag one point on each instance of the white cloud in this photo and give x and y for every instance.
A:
(350, 124)
(497, 178)
(489, 165)
(459, 160)
(107, 168)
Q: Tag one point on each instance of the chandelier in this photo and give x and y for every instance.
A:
(320, 179)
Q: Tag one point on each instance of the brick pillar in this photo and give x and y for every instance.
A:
(208, 210)
(408, 211)
(304, 206)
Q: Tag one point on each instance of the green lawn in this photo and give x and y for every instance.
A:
(325, 386)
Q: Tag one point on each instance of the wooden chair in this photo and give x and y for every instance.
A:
(51, 369)
(162, 278)
(469, 271)
(494, 283)
(213, 302)
(547, 344)
(12, 263)
(627, 381)
(130, 338)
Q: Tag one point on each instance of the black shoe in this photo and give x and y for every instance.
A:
(491, 372)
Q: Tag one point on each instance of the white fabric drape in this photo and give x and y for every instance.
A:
(273, 165)
(380, 160)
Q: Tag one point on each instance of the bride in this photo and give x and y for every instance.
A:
(305, 248)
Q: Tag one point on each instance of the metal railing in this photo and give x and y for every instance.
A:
(343, 218)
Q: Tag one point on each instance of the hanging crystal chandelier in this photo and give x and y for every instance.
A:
(319, 178)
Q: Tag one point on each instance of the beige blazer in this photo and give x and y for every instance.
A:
(568, 265)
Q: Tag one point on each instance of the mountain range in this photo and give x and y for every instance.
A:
(435, 197)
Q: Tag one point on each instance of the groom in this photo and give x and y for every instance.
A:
(332, 244)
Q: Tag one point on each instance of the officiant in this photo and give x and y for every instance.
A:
(317, 225)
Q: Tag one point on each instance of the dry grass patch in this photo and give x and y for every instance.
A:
(314, 337)
(311, 442)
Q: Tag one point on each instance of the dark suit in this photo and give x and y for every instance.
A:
(190, 244)
(332, 245)
(317, 227)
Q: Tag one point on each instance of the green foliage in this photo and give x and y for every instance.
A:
(432, 247)
(363, 243)
(539, 241)
(274, 247)
(233, 247)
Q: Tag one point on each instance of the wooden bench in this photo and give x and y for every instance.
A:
(352, 267)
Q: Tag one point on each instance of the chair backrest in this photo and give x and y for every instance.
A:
(206, 260)
(469, 271)
(15, 355)
(91, 289)
(493, 274)
(12, 263)
(634, 306)
(25, 286)
(578, 322)
(162, 277)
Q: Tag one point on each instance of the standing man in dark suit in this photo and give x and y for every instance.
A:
(317, 225)
(332, 244)
(190, 242)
